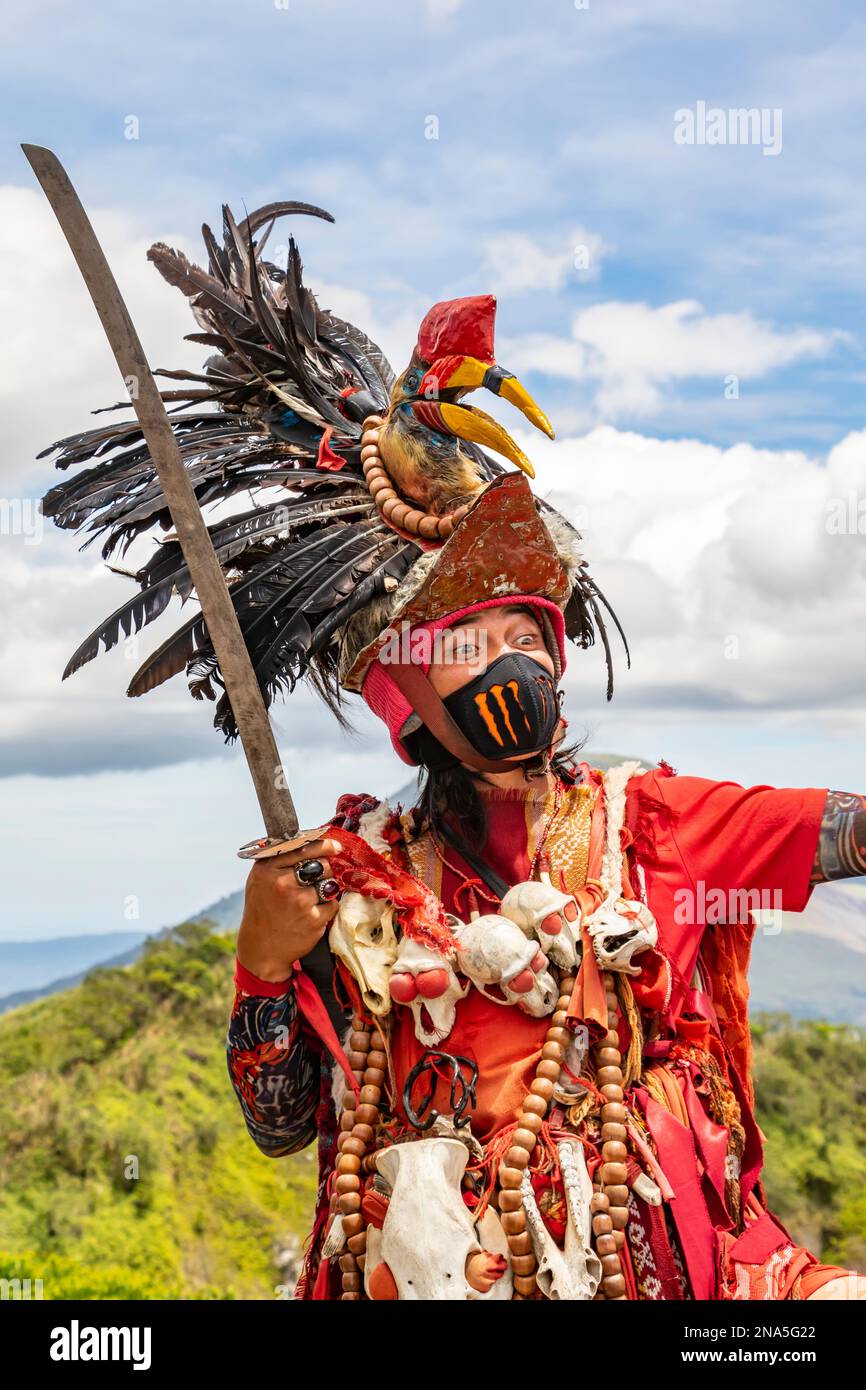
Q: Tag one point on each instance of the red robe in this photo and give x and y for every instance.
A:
(704, 855)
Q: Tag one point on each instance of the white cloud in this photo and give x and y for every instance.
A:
(632, 350)
(734, 591)
(517, 262)
(55, 363)
(442, 9)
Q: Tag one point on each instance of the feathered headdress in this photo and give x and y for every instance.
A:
(360, 490)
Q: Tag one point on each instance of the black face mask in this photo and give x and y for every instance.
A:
(512, 708)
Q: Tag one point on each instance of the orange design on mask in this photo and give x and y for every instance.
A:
(483, 710)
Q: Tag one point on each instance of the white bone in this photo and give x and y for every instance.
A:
(433, 1018)
(578, 1231)
(574, 1272)
(644, 1186)
(444, 1127)
(565, 1090)
(492, 950)
(428, 1233)
(335, 1241)
(529, 904)
(362, 935)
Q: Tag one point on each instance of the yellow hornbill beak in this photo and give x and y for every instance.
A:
(450, 378)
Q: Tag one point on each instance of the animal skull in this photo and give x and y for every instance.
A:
(553, 918)
(362, 935)
(429, 1247)
(507, 967)
(429, 985)
(621, 930)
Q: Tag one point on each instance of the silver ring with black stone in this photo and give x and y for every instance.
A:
(309, 872)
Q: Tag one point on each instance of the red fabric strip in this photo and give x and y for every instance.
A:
(314, 1011)
(758, 1241)
(588, 1002)
(676, 1150)
(320, 1288)
(712, 1144)
(650, 1249)
(327, 459)
(653, 1166)
(265, 989)
(753, 1154)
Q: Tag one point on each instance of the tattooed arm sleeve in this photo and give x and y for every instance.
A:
(841, 851)
(275, 1072)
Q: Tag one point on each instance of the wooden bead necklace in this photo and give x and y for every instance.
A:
(357, 1127)
(610, 1204)
(399, 514)
(516, 1160)
(359, 1119)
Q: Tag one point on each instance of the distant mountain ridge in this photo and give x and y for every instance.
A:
(225, 914)
(27, 965)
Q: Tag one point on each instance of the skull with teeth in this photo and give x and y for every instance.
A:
(620, 931)
(552, 917)
(362, 935)
(507, 967)
(428, 984)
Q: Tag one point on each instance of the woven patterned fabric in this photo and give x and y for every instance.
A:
(567, 842)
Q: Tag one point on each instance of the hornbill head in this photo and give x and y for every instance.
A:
(420, 438)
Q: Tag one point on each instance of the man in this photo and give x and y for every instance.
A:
(529, 999)
(717, 1239)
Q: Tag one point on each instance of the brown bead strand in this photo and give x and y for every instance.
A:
(609, 1205)
(516, 1160)
(357, 1126)
(396, 512)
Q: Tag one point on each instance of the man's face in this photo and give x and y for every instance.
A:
(480, 640)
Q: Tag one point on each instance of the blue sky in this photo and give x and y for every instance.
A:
(636, 278)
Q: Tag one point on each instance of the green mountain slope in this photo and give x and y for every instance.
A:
(126, 1072)
(811, 1091)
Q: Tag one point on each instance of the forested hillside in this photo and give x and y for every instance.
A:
(128, 1071)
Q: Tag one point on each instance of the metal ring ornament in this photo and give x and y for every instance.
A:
(461, 1098)
(309, 872)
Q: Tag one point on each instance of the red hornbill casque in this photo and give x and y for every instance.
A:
(275, 421)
